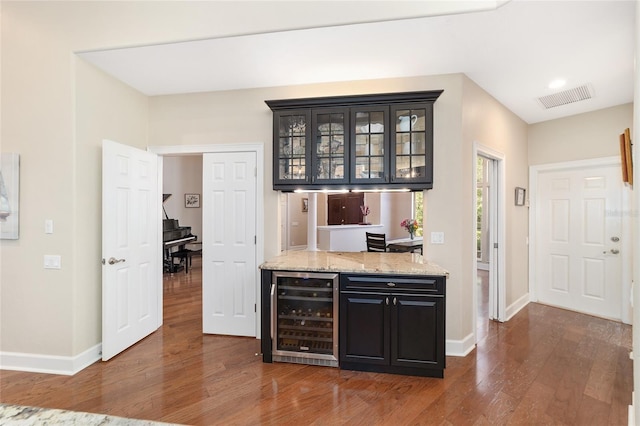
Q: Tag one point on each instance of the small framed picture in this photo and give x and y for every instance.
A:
(192, 201)
(520, 195)
(305, 205)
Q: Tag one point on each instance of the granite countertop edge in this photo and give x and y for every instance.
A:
(354, 262)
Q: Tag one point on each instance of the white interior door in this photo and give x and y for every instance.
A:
(229, 272)
(578, 239)
(131, 252)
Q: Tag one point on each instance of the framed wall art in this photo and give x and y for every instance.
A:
(192, 201)
(9, 196)
(626, 157)
(520, 196)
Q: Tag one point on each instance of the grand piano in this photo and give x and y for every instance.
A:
(174, 239)
(174, 236)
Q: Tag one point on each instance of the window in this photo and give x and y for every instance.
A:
(418, 213)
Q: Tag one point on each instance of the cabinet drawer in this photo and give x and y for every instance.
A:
(414, 284)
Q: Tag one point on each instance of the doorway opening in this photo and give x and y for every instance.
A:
(489, 239)
(257, 240)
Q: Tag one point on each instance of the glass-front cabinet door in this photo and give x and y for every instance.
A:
(291, 156)
(412, 143)
(329, 157)
(369, 145)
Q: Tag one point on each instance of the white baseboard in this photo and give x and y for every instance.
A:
(460, 347)
(516, 306)
(50, 364)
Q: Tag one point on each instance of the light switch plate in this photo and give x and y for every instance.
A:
(437, 238)
(52, 261)
(48, 226)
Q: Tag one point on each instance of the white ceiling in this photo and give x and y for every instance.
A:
(512, 52)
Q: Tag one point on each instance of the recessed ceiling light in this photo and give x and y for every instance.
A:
(556, 84)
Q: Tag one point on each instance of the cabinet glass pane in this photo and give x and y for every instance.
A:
(417, 143)
(292, 168)
(403, 165)
(377, 167)
(377, 145)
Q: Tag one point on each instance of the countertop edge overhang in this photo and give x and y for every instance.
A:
(354, 262)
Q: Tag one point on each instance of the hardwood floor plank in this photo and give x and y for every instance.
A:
(544, 366)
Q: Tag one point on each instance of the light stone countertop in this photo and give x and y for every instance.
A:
(359, 262)
(20, 415)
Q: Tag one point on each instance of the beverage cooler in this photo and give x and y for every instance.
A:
(304, 318)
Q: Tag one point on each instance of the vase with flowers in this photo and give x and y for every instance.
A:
(411, 225)
(365, 212)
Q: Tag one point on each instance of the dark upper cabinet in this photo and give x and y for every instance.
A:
(354, 142)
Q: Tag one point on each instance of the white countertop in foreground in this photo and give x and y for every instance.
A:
(361, 262)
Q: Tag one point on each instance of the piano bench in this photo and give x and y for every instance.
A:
(186, 255)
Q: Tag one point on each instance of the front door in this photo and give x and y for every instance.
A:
(229, 273)
(578, 239)
(131, 252)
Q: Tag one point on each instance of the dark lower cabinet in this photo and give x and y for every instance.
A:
(392, 324)
(387, 323)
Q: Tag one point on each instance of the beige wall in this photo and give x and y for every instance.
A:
(183, 175)
(490, 124)
(579, 137)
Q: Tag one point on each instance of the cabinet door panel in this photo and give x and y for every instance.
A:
(369, 153)
(291, 156)
(364, 331)
(329, 136)
(417, 325)
(412, 144)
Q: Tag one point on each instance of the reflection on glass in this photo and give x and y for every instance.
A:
(330, 146)
(417, 143)
(291, 163)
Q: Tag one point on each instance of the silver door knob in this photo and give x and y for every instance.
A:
(113, 260)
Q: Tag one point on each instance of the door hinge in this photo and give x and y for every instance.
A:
(255, 307)
(255, 240)
(255, 171)
(495, 245)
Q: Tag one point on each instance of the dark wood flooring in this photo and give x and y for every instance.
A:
(545, 366)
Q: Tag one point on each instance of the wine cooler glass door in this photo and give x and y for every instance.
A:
(305, 315)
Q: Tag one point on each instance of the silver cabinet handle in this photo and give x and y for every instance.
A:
(395, 301)
(113, 260)
(391, 284)
(273, 309)
(387, 300)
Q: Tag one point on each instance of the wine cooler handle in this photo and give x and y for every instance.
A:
(274, 310)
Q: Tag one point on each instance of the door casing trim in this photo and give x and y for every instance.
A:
(258, 148)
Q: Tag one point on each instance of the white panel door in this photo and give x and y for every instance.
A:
(579, 239)
(131, 308)
(229, 270)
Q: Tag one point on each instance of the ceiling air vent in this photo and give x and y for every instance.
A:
(567, 97)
